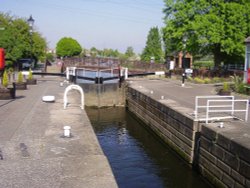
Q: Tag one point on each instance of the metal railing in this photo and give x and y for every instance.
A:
(221, 105)
(223, 108)
(204, 106)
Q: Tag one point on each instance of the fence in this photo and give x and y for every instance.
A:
(223, 106)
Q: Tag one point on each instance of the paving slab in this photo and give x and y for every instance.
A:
(171, 89)
(32, 146)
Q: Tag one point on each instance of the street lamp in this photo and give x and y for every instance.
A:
(31, 23)
(247, 61)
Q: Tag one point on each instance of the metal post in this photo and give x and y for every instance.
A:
(196, 107)
(246, 115)
(207, 112)
(183, 79)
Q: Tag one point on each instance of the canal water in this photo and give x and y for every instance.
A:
(138, 159)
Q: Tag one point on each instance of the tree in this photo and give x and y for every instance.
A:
(68, 46)
(153, 46)
(217, 27)
(17, 41)
(39, 46)
(129, 52)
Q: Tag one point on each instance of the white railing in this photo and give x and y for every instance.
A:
(82, 71)
(124, 72)
(70, 71)
(204, 106)
(235, 67)
(221, 105)
(111, 70)
(223, 108)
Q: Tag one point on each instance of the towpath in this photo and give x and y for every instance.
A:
(172, 89)
(33, 152)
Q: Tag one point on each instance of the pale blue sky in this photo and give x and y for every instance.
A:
(114, 24)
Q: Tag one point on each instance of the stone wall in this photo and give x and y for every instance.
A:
(225, 155)
(222, 155)
(167, 119)
(103, 95)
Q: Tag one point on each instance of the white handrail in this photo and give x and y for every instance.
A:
(71, 87)
(197, 106)
(211, 108)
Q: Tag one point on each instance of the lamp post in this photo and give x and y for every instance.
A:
(184, 41)
(183, 61)
(31, 22)
(247, 61)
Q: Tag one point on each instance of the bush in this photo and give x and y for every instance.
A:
(20, 77)
(242, 89)
(30, 76)
(226, 86)
(199, 80)
(5, 81)
(206, 64)
(189, 78)
(207, 80)
(216, 79)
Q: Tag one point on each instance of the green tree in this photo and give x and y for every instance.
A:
(68, 46)
(153, 46)
(50, 57)
(129, 52)
(94, 52)
(217, 27)
(17, 41)
(39, 46)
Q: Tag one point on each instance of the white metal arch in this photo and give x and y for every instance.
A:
(71, 87)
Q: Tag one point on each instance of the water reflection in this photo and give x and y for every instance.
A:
(136, 157)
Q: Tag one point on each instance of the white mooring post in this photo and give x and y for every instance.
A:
(126, 73)
(66, 131)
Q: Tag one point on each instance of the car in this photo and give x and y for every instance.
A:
(26, 64)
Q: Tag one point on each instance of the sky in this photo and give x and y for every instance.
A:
(115, 24)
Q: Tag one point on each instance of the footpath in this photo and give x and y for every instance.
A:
(172, 89)
(33, 152)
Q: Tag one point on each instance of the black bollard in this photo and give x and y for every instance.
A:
(183, 79)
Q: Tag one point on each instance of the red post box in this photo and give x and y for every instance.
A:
(2, 59)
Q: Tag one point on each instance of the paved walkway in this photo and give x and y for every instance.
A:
(33, 152)
(184, 96)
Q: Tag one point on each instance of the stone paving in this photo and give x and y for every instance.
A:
(172, 89)
(33, 151)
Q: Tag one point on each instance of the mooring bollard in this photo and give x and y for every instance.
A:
(183, 80)
(67, 131)
(221, 125)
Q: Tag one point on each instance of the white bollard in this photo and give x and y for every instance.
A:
(162, 97)
(221, 125)
(126, 73)
(67, 131)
